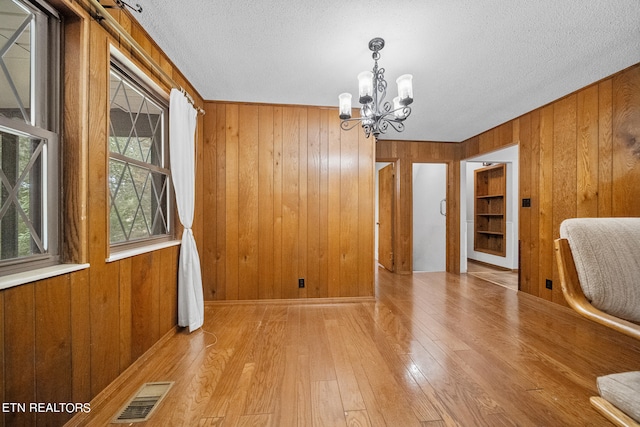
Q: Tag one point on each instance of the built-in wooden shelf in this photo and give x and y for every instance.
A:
(489, 210)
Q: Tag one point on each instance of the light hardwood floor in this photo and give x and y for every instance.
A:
(433, 349)
(495, 275)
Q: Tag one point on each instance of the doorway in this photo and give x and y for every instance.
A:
(384, 214)
(510, 157)
(429, 216)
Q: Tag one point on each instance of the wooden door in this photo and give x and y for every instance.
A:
(385, 217)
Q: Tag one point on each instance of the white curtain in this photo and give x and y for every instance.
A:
(182, 126)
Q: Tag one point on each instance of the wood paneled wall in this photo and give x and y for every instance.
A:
(288, 195)
(583, 161)
(66, 338)
(579, 157)
(405, 153)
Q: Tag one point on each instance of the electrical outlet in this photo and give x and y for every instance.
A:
(526, 203)
(548, 284)
(301, 283)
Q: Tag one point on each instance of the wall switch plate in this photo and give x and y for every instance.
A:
(301, 283)
(548, 284)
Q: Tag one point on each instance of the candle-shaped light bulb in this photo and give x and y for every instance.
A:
(398, 108)
(344, 100)
(405, 89)
(365, 85)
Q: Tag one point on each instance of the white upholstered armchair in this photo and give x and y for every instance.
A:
(599, 266)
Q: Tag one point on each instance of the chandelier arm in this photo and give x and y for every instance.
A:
(368, 130)
(382, 126)
(348, 124)
(391, 115)
(397, 125)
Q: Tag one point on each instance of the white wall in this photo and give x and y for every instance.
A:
(510, 156)
(429, 226)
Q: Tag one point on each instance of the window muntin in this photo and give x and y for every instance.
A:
(16, 47)
(29, 161)
(139, 176)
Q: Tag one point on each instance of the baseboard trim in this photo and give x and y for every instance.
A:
(294, 301)
(101, 398)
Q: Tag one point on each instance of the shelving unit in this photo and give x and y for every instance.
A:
(489, 210)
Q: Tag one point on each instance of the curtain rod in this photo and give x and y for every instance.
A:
(102, 16)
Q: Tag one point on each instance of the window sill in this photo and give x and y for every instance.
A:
(39, 274)
(128, 253)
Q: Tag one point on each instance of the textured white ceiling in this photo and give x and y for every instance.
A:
(476, 63)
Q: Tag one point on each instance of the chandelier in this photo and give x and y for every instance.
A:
(376, 114)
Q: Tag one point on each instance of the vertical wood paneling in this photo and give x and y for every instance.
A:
(349, 200)
(74, 206)
(453, 221)
(153, 331)
(198, 220)
(220, 261)
(605, 148)
(290, 201)
(278, 190)
(145, 303)
(403, 238)
(485, 141)
(564, 188)
(168, 304)
(366, 210)
(581, 158)
(545, 191)
(526, 190)
(53, 346)
(81, 337)
(265, 202)
(587, 150)
(104, 301)
(231, 191)
(626, 143)
(313, 203)
(248, 151)
(20, 344)
(303, 200)
(333, 206)
(125, 294)
(298, 204)
(209, 168)
(323, 238)
(535, 203)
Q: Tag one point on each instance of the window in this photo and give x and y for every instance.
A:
(139, 176)
(29, 123)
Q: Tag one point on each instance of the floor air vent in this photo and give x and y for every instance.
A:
(143, 403)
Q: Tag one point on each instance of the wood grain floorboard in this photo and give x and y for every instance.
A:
(433, 349)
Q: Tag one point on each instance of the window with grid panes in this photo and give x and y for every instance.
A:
(29, 126)
(139, 175)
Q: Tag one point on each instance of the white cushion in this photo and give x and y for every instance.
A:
(606, 252)
(623, 391)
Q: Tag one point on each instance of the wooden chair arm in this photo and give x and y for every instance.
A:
(576, 299)
(613, 414)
